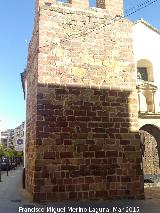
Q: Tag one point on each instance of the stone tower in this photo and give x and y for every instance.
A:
(81, 128)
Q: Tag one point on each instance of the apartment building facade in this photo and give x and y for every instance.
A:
(13, 138)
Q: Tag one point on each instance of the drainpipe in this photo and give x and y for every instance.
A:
(24, 141)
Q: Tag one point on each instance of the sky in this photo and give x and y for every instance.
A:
(16, 21)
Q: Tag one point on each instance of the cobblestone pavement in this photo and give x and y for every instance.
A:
(13, 199)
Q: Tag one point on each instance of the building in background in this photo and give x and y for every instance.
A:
(4, 138)
(7, 138)
(19, 137)
(13, 138)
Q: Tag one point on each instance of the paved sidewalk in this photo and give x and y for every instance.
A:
(13, 199)
(11, 193)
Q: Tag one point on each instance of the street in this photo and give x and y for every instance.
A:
(11, 193)
(14, 199)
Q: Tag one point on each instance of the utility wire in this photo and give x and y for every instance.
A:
(142, 3)
(140, 7)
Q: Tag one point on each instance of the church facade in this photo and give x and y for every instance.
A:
(146, 53)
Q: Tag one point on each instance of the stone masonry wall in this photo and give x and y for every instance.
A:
(151, 155)
(86, 145)
(151, 158)
(31, 107)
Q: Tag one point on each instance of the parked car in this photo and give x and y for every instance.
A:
(4, 163)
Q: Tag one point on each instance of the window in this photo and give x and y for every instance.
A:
(142, 74)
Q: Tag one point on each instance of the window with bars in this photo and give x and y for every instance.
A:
(142, 74)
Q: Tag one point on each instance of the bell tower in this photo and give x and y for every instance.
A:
(114, 7)
(82, 140)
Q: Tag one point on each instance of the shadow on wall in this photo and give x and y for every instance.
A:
(84, 148)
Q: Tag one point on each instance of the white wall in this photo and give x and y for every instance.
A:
(146, 44)
(153, 121)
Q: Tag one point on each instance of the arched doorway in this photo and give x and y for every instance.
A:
(150, 134)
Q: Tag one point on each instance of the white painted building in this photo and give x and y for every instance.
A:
(7, 138)
(19, 137)
(147, 59)
(13, 138)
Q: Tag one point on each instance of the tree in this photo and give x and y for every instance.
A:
(1, 150)
(19, 154)
(1, 154)
(9, 153)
